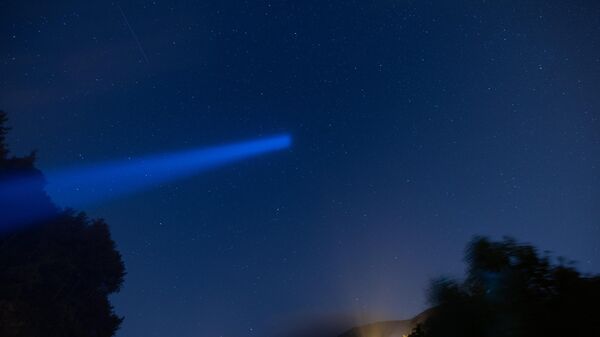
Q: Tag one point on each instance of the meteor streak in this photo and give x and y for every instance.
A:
(137, 41)
(81, 186)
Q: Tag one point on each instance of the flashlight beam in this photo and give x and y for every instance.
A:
(79, 186)
(82, 186)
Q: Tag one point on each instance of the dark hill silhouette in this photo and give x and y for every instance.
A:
(510, 290)
(394, 328)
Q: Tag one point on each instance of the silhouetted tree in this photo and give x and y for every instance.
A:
(418, 331)
(56, 271)
(510, 290)
(3, 131)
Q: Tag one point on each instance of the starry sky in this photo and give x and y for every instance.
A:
(416, 125)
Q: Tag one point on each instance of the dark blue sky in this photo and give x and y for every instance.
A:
(416, 125)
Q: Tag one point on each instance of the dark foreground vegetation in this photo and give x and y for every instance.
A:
(57, 271)
(512, 290)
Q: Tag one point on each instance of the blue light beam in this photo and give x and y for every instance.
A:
(90, 184)
(81, 186)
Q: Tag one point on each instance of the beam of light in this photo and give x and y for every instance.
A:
(85, 185)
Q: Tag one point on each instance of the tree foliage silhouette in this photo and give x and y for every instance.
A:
(55, 274)
(512, 290)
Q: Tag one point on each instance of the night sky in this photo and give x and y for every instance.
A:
(416, 125)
